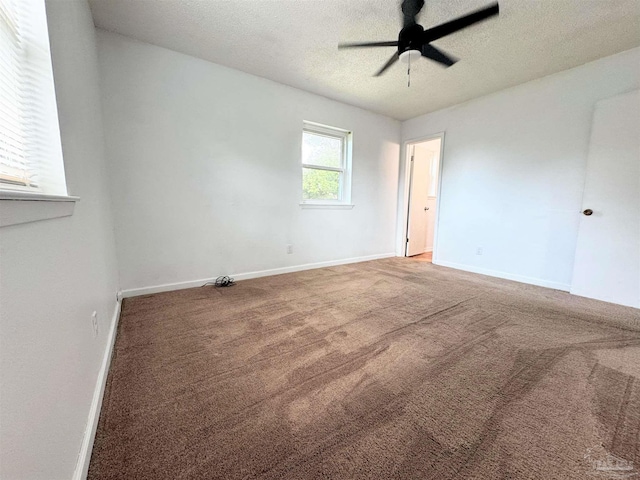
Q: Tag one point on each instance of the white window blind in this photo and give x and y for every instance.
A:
(30, 150)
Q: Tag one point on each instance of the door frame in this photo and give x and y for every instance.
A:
(408, 170)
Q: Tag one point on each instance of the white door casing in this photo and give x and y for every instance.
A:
(431, 221)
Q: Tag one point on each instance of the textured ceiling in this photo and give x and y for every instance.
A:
(295, 42)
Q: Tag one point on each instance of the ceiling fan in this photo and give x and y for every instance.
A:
(415, 42)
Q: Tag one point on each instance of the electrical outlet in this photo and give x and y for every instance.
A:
(289, 248)
(479, 251)
(94, 321)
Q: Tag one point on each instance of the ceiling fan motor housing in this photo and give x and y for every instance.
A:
(410, 43)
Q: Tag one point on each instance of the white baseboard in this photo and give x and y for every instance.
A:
(507, 276)
(84, 457)
(133, 292)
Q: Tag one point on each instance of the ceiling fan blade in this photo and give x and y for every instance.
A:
(391, 61)
(459, 23)
(393, 43)
(432, 53)
(410, 10)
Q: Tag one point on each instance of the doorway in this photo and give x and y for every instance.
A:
(424, 158)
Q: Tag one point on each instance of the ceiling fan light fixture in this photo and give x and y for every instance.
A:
(410, 56)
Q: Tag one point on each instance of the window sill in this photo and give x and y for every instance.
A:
(22, 207)
(330, 206)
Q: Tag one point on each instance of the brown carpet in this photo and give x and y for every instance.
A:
(379, 370)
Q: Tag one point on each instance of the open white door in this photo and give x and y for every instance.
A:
(419, 227)
(607, 262)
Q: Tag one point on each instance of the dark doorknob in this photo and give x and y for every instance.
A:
(426, 208)
(588, 212)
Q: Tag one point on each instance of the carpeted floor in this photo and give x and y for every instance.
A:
(391, 369)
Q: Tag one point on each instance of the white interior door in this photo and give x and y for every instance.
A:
(607, 262)
(418, 199)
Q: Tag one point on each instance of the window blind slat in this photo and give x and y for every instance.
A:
(14, 167)
(30, 150)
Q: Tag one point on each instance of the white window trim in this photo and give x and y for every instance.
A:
(29, 196)
(346, 137)
(22, 207)
(327, 206)
(19, 206)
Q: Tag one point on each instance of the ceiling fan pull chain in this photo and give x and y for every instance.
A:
(409, 72)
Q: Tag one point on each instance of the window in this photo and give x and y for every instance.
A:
(326, 165)
(30, 149)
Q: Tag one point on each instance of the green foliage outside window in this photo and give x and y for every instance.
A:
(320, 184)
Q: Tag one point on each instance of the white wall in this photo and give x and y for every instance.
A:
(54, 274)
(205, 162)
(514, 168)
